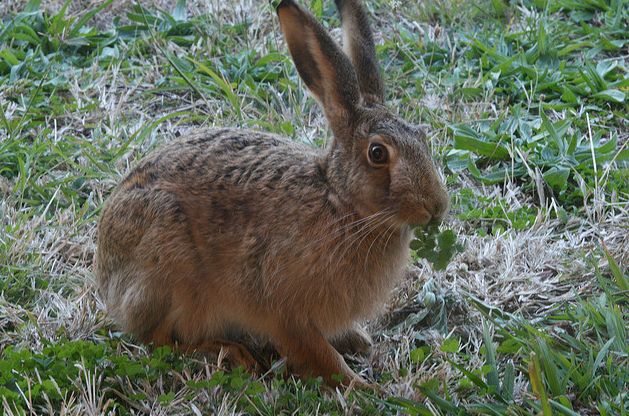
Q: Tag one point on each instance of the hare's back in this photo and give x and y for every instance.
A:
(222, 156)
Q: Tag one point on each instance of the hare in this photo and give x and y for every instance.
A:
(233, 232)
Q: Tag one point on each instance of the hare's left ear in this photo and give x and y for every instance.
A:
(322, 65)
(359, 45)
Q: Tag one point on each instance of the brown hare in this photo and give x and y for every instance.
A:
(230, 232)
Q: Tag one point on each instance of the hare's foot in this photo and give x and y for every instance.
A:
(353, 341)
(231, 353)
(309, 355)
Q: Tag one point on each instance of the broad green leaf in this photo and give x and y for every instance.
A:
(180, 12)
(557, 177)
(447, 238)
(9, 57)
(613, 95)
(466, 138)
(166, 398)
(569, 96)
(32, 6)
(417, 356)
(469, 92)
(317, 8)
(608, 147)
(605, 67)
(450, 345)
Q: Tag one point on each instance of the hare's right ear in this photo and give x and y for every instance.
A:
(359, 46)
(322, 64)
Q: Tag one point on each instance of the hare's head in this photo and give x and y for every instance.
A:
(377, 161)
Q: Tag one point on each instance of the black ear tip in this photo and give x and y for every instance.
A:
(278, 4)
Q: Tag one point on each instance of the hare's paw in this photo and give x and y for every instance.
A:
(354, 341)
(362, 384)
(229, 354)
(237, 355)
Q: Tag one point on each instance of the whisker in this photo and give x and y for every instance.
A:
(349, 233)
(340, 230)
(363, 233)
(355, 235)
(390, 227)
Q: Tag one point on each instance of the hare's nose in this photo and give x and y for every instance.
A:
(439, 205)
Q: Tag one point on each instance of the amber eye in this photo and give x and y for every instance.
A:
(378, 154)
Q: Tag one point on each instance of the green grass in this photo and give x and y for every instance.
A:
(519, 306)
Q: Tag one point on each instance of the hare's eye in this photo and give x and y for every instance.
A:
(378, 154)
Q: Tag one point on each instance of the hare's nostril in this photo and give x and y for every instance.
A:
(440, 206)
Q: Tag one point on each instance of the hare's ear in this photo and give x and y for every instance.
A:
(321, 63)
(359, 45)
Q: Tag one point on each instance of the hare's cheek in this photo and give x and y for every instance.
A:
(374, 200)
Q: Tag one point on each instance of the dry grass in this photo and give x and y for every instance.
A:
(530, 272)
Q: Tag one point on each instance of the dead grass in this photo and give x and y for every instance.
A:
(528, 273)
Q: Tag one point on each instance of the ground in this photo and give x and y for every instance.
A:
(525, 106)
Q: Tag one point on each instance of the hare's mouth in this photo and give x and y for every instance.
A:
(417, 216)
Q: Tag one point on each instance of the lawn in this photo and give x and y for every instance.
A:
(519, 307)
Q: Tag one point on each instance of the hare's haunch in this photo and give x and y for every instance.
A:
(230, 232)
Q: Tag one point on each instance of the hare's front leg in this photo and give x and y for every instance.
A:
(309, 355)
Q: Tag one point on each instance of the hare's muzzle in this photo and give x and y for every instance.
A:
(431, 208)
(438, 205)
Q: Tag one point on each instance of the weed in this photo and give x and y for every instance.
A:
(523, 310)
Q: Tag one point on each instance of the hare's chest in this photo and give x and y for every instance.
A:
(358, 288)
(377, 276)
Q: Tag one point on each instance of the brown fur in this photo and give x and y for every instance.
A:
(232, 232)
(359, 46)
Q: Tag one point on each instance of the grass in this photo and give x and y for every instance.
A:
(520, 307)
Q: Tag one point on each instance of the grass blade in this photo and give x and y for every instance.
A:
(492, 376)
(619, 277)
(537, 384)
(223, 84)
(508, 382)
(87, 16)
